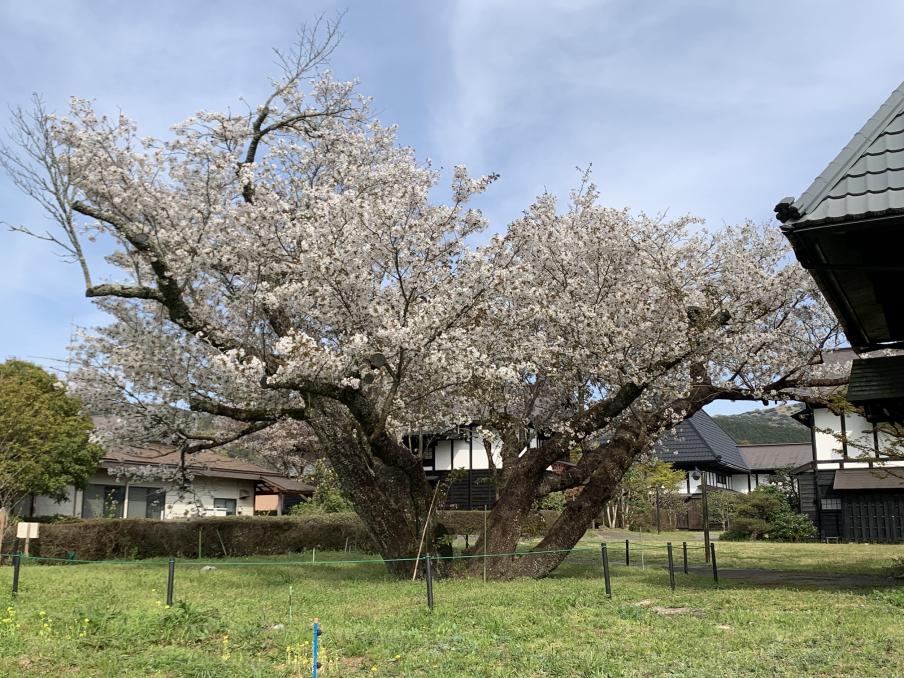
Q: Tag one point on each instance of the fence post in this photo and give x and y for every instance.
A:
(171, 575)
(429, 583)
(684, 555)
(317, 632)
(671, 566)
(712, 553)
(604, 552)
(627, 552)
(17, 562)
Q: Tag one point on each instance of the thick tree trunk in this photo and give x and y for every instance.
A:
(392, 502)
(504, 523)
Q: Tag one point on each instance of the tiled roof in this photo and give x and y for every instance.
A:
(876, 379)
(866, 179)
(207, 463)
(699, 440)
(771, 457)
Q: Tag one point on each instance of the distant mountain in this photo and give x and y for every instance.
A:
(773, 425)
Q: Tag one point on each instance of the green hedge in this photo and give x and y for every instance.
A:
(134, 538)
(105, 539)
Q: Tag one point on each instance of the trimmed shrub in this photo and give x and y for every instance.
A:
(132, 538)
(136, 538)
(766, 514)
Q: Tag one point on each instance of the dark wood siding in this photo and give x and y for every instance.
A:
(472, 490)
(873, 516)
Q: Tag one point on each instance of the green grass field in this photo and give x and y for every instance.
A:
(111, 620)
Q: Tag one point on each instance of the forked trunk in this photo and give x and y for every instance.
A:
(504, 525)
(392, 502)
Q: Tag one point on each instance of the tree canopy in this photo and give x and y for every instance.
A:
(293, 264)
(45, 436)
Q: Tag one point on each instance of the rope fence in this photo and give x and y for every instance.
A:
(427, 560)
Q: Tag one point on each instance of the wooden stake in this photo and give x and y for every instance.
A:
(424, 533)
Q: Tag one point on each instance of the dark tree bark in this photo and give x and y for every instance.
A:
(392, 502)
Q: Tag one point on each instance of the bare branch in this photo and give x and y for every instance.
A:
(38, 167)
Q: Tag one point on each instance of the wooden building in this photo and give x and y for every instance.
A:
(847, 230)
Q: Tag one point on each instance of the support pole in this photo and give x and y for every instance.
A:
(684, 555)
(627, 552)
(604, 553)
(429, 583)
(712, 553)
(171, 575)
(671, 566)
(706, 541)
(317, 632)
(658, 520)
(17, 563)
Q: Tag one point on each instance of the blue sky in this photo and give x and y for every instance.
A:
(710, 108)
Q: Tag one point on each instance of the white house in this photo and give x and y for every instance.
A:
(140, 483)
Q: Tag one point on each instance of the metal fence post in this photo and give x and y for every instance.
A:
(604, 552)
(317, 632)
(429, 583)
(684, 555)
(627, 552)
(17, 562)
(671, 565)
(171, 575)
(712, 554)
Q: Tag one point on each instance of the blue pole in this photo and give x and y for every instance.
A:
(316, 646)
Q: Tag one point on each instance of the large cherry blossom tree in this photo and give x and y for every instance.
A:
(289, 272)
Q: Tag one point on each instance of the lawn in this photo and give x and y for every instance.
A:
(868, 559)
(111, 620)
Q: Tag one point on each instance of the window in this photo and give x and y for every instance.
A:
(831, 504)
(103, 501)
(228, 504)
(721, 479)
(146, 502)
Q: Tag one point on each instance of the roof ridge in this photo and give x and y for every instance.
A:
(850, 154)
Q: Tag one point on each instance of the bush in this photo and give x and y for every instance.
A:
(104, 539)
(791, 526)
(327, 497)
(766, 513)
(897, 567)
(135, 538)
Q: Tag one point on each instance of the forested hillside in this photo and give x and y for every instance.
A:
(773, 425)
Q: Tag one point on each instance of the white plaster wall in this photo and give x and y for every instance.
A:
(827, 445)
(461, 455)
(198, 500)
(442, 456)
(480, 454)
(860, 435)
(454, 454)
(739, 482)
(710, 478)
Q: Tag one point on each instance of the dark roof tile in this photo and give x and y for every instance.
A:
(861, 181)
(876, 379)
(699, 440)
